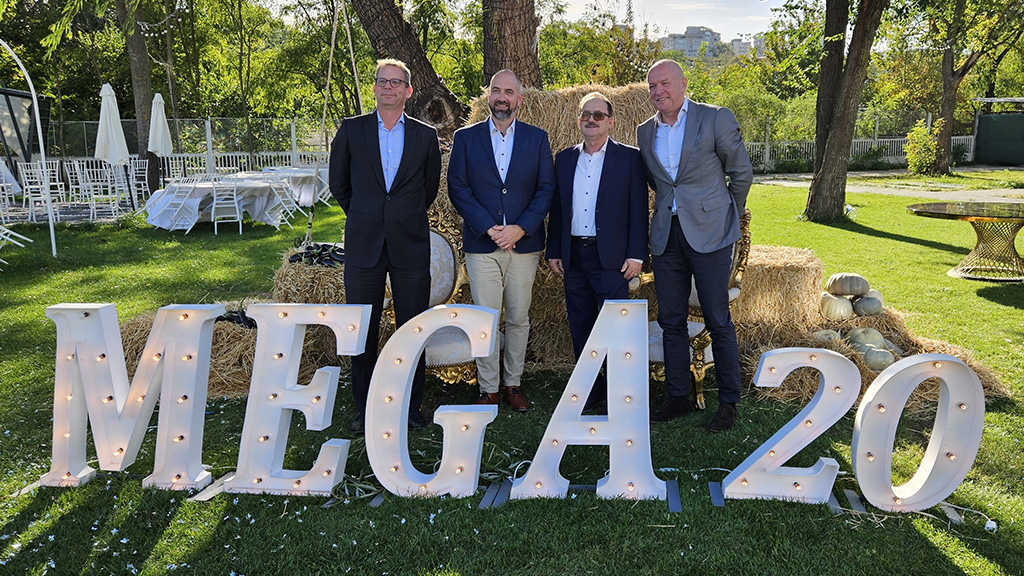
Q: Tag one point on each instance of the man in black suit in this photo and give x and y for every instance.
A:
(385, 170)
(597, 231)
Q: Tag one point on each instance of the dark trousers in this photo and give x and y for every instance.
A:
(710, 272)
(410, 291)
(587, 286)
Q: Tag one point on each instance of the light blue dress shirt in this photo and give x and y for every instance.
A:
(392, 144)
(668, 143)
(585, 183)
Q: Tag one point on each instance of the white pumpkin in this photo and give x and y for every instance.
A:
(867, 306)
(865, 335)
(836, 308)
(847, 284)
(823, 336)
(878, 359)
(872, 293)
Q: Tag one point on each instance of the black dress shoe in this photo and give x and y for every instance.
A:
(417, 421)
(724, 419)
(673, 408)
(359, 423)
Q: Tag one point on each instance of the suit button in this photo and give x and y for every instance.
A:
(504, 191)
(500, 212)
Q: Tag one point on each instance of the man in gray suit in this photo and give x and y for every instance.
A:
(698, 166)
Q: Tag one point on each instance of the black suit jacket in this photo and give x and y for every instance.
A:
(621, 217)
(373, 215)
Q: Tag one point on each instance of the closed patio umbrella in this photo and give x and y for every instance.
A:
(159, 131)
(110, 142)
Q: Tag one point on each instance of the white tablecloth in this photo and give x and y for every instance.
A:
(6, 176)
(304, 182)
(255, 197)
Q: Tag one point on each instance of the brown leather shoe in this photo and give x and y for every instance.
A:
(486, 398)
(515, 399)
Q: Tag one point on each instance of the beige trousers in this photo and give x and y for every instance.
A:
(504, 279)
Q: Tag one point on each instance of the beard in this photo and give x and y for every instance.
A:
(502, 114)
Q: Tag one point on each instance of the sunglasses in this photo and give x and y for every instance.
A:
(598, 116)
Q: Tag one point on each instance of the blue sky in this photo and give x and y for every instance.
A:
(731, 18)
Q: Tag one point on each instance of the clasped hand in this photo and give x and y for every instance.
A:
(506, 236)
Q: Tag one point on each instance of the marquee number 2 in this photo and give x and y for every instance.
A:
(954, 442)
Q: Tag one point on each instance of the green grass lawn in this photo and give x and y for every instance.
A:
(114, 526)
(983, 180)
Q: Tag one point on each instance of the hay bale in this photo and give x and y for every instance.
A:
(781, 285)
(232, 353)
(555, 111)
(309, 284)
(800, 386)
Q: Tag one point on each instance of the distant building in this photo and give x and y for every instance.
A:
(745, 47)
(689, 42)
(739, 47)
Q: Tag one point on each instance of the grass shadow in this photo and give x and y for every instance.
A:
(1010, 294)
(850, 226)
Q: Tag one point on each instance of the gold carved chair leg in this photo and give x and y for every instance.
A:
(698, 367)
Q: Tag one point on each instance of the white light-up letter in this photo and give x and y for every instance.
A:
(762, 475)
(387, 408)
(620, 335)
(275, 393)
(954, 442)
(91, 384)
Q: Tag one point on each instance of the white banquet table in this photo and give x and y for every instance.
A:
(256, 197)
(6, 176)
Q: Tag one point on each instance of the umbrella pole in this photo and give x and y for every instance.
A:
(42, 146)
(309, 225)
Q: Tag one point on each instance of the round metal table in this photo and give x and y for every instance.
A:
(996, 224)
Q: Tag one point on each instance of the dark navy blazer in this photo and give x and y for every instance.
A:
(621, 216)
(483, 200)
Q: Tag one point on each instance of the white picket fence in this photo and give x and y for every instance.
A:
(894, 150)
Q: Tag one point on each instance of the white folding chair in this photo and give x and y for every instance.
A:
(122, 187)
(140, 178)
(97, 187)
(6, 199)
(325, 195)
(34, 188)
(75, 193)
(282, 187)
(225, 206)
(56, 181)
(182, 215)
(8, 235)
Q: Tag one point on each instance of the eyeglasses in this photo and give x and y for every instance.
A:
(598, 116)
(393, 82)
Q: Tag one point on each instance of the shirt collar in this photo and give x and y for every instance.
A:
(491, 128)
(401, 120)
(604, 147)
(679, 117)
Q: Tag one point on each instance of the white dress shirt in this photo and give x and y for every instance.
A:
(585, 182)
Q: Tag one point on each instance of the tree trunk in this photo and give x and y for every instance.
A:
(392, 37)
(827, 195)
(837, 17)
(510, 40)
(138, 62)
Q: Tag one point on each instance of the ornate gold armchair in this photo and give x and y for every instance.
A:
(700, 339)
(448, 350)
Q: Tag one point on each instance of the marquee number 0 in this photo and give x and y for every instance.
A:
(954, 442)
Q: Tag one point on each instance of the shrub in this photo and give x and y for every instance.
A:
(870, 160)
(923, 147)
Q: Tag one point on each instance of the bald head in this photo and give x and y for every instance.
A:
(666, 83)
(503, 97)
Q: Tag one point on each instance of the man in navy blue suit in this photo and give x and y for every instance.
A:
(385, 170)
(501, 180)
(597, 232)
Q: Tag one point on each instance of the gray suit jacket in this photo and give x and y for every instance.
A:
(708, 205)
